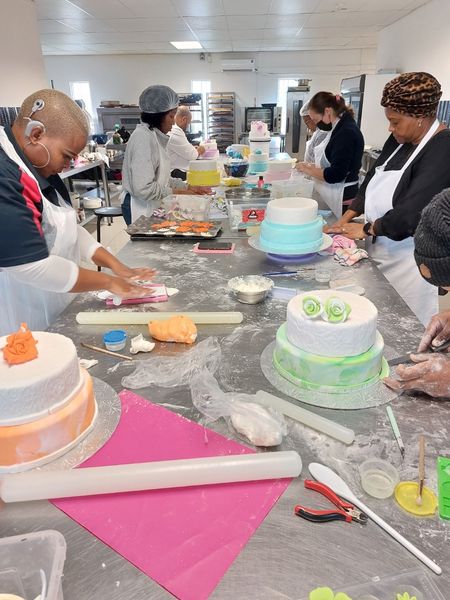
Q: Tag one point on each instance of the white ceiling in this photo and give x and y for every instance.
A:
(147, 26)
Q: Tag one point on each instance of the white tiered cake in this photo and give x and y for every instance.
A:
(291, 226)
(203, 173)
(330, 340)
(259, 131)
(47, 404)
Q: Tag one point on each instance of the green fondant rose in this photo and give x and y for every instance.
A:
(312, 307)
(335, 310)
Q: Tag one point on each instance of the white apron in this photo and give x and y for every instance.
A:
(395, 259)
(330, 193)
(25, 303)
(142, 207)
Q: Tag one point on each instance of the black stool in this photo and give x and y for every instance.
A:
(108, 212)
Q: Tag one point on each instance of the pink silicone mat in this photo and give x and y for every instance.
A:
(186, 538)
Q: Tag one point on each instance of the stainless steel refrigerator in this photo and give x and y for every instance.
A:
(296, 130)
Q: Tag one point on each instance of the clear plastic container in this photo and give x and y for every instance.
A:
(32, 564)
(415, 583)
(296, 185)
(194, 208)
(378, 478)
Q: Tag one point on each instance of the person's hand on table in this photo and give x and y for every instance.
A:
(134, 274)
(353, 231)
(437, 331)
(430, 374)
(199, 189)
(124, 288)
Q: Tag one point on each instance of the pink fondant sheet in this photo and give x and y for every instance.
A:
(185, 538)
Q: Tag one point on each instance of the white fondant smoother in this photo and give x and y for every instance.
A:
(46, 459)
(34, 388)
(350, 338)
(291, 211)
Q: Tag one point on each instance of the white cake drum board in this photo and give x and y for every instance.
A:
(255, 243)
(368, 396)
(106, 420)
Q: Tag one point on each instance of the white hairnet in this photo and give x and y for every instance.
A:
(304, 110)
(158, 99)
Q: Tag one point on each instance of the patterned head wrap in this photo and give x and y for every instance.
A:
(413, 94)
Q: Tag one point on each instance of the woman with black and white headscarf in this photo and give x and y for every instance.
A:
(412, 168)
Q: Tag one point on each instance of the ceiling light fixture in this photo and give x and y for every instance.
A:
(187, 45)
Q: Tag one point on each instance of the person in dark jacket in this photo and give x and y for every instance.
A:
(337, 159)
(412, 168)
(430, 371)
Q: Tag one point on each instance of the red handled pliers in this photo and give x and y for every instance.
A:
(344, 512)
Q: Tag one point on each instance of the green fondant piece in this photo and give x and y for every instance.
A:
(336, 310)
(342, 596)
(323, 593)
(312, 307)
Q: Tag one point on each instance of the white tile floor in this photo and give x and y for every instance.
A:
(113, 237)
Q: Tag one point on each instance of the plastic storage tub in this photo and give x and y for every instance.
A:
(295, 186)
(194, 208)
(408, 584)
(31, 561)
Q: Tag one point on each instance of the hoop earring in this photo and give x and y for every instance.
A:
(48, 155)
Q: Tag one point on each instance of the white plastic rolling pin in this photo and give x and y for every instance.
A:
(334, 430)
(119, 317)
(43, 485)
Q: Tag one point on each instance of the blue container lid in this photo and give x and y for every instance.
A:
(115, 336)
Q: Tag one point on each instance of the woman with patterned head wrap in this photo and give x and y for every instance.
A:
(413, 166)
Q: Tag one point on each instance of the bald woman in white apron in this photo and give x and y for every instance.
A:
(411, 169)
(41, 244)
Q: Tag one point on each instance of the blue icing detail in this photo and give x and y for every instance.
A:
(293, 239)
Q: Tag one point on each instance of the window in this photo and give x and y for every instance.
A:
(283, 85)
(203, 87)
(81, 90)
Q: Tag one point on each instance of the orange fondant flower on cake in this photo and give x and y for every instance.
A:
(20, 346)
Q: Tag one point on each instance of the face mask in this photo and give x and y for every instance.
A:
(324, 126)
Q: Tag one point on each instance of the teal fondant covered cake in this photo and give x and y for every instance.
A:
(291, 226)
(330, 340)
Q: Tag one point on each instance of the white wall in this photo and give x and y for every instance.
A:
(22, 69)
(123, 77)
(419, 42)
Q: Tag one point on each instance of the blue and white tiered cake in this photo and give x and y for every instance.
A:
(291, 226)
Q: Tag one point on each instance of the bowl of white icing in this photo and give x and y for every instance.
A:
(250, 289)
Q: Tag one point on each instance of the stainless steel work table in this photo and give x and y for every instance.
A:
(287, 556)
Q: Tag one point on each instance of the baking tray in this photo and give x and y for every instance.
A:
(141, 229)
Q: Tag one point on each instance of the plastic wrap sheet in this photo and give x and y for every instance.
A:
(176, 369)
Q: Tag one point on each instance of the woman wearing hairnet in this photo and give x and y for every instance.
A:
(146, 166)
(413, 166)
